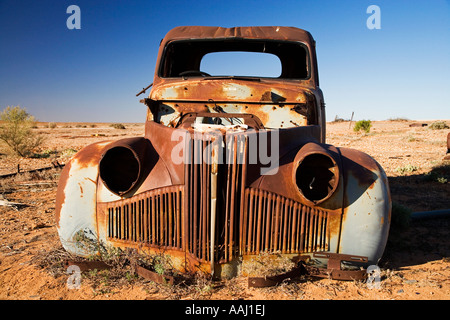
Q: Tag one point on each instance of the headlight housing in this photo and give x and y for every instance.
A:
(316, 173)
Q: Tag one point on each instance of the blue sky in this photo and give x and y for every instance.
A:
(93, 74)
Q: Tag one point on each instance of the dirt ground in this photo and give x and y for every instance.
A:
(415, 265)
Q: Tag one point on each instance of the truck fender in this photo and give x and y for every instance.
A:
(366, 208)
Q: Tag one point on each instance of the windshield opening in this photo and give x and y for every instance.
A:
(186, 58)
(239, 63)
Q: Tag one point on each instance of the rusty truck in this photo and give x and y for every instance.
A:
(230, 166)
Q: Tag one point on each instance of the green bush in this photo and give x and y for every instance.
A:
(364, 125)
(17, 132)
(45, 154)
(407, 169)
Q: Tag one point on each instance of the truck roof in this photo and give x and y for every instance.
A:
(262, 32)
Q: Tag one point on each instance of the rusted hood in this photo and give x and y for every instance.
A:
(230, 90)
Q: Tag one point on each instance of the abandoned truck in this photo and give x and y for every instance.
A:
(230, 167)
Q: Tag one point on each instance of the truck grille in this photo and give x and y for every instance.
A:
(274, 223)
(248, 220)
(153, 217)
(230, 179)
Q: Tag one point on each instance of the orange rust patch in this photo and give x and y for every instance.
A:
(60, 193)
(90, 155)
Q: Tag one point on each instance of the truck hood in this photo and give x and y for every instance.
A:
(225, 89)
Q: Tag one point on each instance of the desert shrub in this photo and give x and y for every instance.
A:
(17, 132)
(364, 125)
(267, 264)
(51, 125)
(68, 153)
(407, 169)
(438, 125)
(117, 126)
(411, 138)
(439, 173)
(338, 119)
(398, 119)
(45, 154)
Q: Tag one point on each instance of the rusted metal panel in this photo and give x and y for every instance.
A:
(87, 265)
(333, 270)
(175, 99)
(269, 281)
(153, 276)
(76, 200)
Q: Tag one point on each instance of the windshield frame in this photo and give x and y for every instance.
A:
(228, 42)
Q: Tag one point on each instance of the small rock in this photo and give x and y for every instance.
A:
(38, 226)
(33, 239)
(410, 281)
(400, 291)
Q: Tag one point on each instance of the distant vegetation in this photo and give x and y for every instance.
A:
(406, 169)
(400, 119)
(338, 119)
(438, 125)
(51, 125)
(16, 131)
(117, 126)
(439, 173)
(363, 125)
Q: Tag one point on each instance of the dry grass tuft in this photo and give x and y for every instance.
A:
(267, 264)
